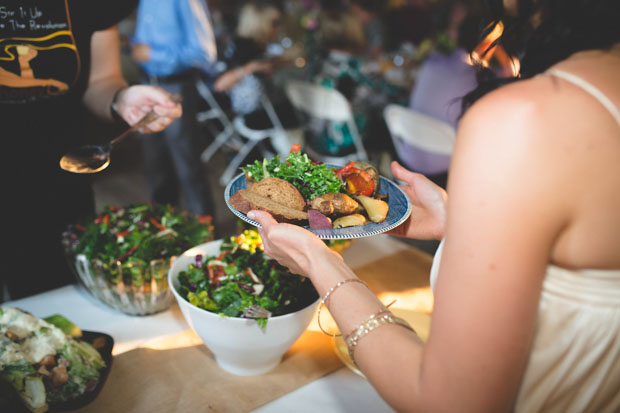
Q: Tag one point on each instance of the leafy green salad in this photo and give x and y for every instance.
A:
(135, 235)
(312, 179)
(242, 275)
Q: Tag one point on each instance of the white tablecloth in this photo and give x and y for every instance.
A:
(340, 391)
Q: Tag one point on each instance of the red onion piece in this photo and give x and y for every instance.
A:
(318, 220)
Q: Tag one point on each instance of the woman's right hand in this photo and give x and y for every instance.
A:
(292, 246)
(428, 215)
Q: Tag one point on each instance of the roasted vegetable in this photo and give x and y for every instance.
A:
(339, 204)
(372, 171)
(350, 221)
(356, 181)
(330, 191)
(317, 220)
(375, 208)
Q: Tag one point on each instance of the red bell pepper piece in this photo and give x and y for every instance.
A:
(215, 272)
(359, 182)
(222, 255)
(344, 170)
(205, 219)
(295, 148)
(157, 224)
(128, 253)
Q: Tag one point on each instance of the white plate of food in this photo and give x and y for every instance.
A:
(397, 211)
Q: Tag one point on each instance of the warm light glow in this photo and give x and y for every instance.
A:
(176, 341)
(508, 66)
(300, 62)
(120, 348)
(172, 342)
(415, 299)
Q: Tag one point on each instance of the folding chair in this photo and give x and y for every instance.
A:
(321, 103)
(227, 135)
(423, 143)
(277, 135)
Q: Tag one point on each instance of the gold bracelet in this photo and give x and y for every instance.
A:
(326, 296)
(376, 320)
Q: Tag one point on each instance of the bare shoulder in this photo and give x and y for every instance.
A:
(520, 108)
(522, 119)
(518, 144)
(544, 112)
(547, 139)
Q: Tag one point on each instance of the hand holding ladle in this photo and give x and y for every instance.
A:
(89, 159)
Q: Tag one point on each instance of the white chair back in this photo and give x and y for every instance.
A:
(419, 130)
(319, 101)
(325, 104)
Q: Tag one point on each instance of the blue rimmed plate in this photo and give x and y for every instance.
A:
(398, 203)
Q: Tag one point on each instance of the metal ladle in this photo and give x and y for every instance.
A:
(89, 159)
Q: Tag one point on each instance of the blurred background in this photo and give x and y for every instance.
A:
(365, 55)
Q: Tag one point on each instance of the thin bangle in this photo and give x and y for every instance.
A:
(326, 296)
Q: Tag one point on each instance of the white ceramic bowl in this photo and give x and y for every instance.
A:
(239, 345)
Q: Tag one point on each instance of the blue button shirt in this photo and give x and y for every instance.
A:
(179, 33)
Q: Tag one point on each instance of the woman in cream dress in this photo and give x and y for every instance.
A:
(527, 293)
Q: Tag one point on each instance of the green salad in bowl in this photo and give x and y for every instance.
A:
(215, 282)
(242, 275)
(122, 255)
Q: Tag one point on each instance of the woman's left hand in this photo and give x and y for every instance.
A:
(292, 246)
(134, 102)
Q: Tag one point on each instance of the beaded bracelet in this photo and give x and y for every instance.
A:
(326, 296)
(376, 320)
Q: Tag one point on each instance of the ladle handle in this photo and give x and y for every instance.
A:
(148, 118)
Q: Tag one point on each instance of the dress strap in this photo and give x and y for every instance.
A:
(590, 89)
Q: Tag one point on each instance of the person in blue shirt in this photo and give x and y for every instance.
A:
(173, 43)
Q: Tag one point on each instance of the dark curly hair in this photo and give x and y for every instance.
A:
(563, 27)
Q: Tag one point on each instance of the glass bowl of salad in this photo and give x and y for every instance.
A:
(122, 256)
(215, 282)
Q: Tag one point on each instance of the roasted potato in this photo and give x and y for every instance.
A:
(375, 208)
(352, 220)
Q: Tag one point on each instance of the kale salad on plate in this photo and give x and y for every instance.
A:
(242, 275)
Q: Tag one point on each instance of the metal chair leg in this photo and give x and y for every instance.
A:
(232, 167)
(220, 140)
